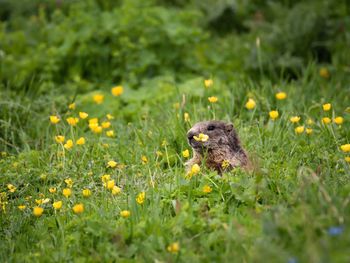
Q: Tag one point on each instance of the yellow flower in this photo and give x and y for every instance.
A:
(347, 159)
(52, 190)
(324, 73)
(110, 184)
(71, 106)
(11, 188)
(212, 99)
(112, 164)
(72, 121)
(338, 120)
(98, 98)
(105, 177)
(21, 207)
(116, 190)
(186, 153)
(67, 192)
(86, 192)
(174, 247)
(117, 91)
(106, 124)
(250, 104)
(310, 122)
(273, 114)
(201, 137)
(110, 133)
(144, 159)
(81, 141)
(140, 199)
(59, 139)
(281, 95)
(207, 189)
(125, 213)
(195, 169)
(186, 117)
(208, 83)
(38, 211)
(69, 182)
(225, 164)
(97, 129)
(93, 120)
(345, 148)
(309, 131)
(54, 119)
(295, 119)
(110, 117)
(78, 208)
(299, 129)
(57, 205)
(83, 115)
(326, 120)
(327, 106)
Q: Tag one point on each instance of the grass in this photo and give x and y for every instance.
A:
(294, 208)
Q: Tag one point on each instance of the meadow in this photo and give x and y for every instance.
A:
(96, 98)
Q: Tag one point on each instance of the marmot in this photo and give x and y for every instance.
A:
(217, 144)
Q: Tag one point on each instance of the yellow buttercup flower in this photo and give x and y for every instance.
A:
(52, 190)
(207, 189)
(273, 114)
(106, 124)
(310, 122)
(309, 131)
(67, 192)
(174, 247)
(83, 115)
(110, 116)
(112, 164)
(98, 98)
(110, 184)
(338, 120)
(72, 121)
(21, 207)
(324, 73)
(281, 95)
(78, 208)
(347, 159)
(38, 211)
(105, 178)
(327, 106)
(212, 99)
(295, 119)
(86, 192)
(97, 129)
(116, 190)
(186, 117)
(125, 213)
(201, 137)
(186, 153)
(225, 164)
(69, 182)
(81, 141)
(250, 104)
(299, 129)
(11, 188)
(59, 138)
(144, 159)
(71, 106)
(208, 83)
(110, 133)
(326, 120)
(195, 169)
(93, 120)
(140, 199)
(54, 119)
(57, 205)
(117, 91)
(345, 148)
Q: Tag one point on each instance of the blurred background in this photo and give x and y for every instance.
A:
(53, 50)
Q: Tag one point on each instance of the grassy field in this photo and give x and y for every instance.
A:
(92, 169)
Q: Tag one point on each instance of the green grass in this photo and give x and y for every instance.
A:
(284, 211)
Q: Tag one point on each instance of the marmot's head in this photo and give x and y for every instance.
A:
(220, 134)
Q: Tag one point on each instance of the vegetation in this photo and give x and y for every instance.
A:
(96, 98)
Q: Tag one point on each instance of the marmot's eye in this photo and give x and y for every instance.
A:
(211, 128)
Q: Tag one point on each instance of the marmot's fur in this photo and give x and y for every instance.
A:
(222, 151)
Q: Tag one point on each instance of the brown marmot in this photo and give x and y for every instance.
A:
(217, 144)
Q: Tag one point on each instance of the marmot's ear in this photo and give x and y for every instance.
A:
(232, 137)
